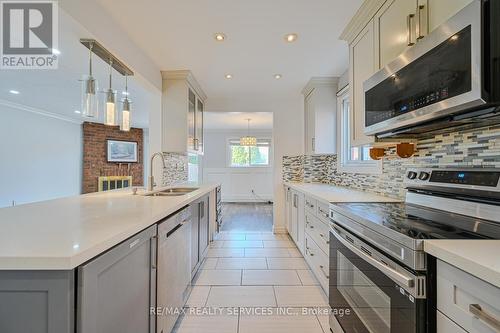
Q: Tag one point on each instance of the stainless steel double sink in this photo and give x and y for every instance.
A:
(173, 192)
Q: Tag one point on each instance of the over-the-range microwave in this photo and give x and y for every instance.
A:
(450, 80)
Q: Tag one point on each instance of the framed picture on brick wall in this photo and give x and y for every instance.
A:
(122, 151)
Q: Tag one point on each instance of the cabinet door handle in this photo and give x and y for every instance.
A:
(409, 28)
(202, 209)
(313, 144)
(422, 19)
(153, 252)
(488, 319)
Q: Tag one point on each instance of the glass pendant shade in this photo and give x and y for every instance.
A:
(110, 114)
(125, 115)
(89, 102)
(249, 141)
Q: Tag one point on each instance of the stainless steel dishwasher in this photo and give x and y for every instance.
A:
(174, 268)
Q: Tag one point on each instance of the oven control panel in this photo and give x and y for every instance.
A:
(463, 178)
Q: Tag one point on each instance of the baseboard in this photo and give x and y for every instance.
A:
(249, 199)
(280, 230)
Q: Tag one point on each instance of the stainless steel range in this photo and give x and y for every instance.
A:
(378, 268)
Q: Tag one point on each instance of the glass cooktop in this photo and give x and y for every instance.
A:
(422, 223)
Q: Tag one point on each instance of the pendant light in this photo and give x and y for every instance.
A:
(250, 141)
(110, 117)
(89, 107)
(125, 113)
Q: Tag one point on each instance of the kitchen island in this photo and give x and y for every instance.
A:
(88, 263)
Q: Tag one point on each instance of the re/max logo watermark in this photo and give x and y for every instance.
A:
(29, 34)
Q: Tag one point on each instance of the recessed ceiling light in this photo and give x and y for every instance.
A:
(77, 111)
(56, 52)
(454, 37)
(277, 76)
(14, 92)
(228, 76)
(220, 37)
(290, 38)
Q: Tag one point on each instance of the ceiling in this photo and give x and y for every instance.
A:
(57, 92)
(180, 35)
(238, 120)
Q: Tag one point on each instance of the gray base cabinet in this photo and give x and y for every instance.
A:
(114, 292)
(36, 301)
(117, 289)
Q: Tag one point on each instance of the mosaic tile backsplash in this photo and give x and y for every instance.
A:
(176, 170)
(474, 148)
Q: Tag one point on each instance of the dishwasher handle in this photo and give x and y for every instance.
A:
(177, 227)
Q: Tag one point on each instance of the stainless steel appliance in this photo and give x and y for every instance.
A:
(174, 269)
(450, 80)
(379, 272)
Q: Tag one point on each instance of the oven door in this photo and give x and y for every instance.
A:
(368, 293)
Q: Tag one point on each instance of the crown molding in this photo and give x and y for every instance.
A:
(364, 14)
(188, 76)
(315, 82)
(38, 111)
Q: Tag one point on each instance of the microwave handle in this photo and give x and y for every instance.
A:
(391, 273)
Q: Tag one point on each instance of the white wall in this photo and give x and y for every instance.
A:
(288, 134)
(237, 183)
(41, 157)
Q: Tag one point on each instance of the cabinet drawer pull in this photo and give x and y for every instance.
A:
(322, 270)
(134, 243)
(312, 227)
(409, 27)
(323, 236)
(488, 319)
(422, 19)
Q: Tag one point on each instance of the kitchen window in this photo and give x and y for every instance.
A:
(249, 157)
(352, 159)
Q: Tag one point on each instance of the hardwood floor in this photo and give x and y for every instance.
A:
(247, 217)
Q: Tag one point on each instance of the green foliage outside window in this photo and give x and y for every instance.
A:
(243, 156)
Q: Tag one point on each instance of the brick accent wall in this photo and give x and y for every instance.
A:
(95, 163)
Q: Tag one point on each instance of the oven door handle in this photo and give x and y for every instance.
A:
(396, 276)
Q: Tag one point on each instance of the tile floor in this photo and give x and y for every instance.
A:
(254, 282)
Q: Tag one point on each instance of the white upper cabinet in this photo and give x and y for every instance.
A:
(439, 11)
(182, 113)
(320, 113)
(361, 67)
(394, 29)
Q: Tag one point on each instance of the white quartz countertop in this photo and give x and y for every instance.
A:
(62, 234)
(333, 194)
(477, 257)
